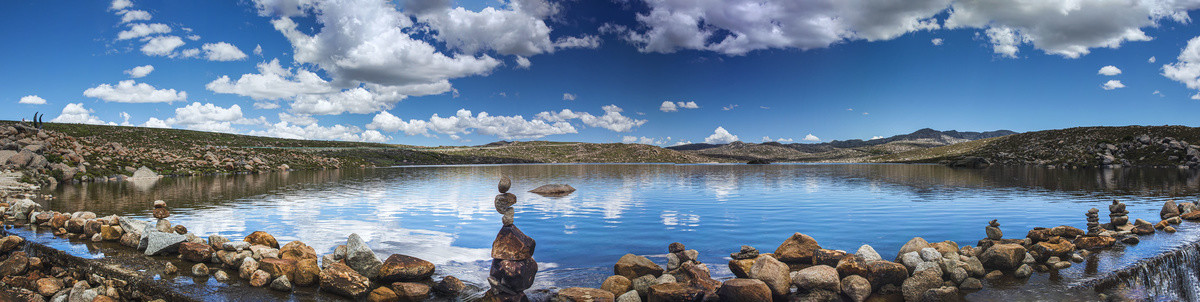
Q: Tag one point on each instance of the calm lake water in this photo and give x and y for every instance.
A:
(444, 214)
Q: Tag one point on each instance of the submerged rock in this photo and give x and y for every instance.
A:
(553, 190)
(158, 243)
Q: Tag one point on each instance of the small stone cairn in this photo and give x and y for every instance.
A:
(1093, 222)
(513, 267)
(993, 230)
(1118, 216)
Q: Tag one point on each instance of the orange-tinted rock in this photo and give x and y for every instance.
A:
(512, 244)
(1044, 250)
(410, 291)
(1193, 215)
(337, 278)
(405, 268)
(260, 237)
(161, 213)
(741, 268)
(617, 285)
(674, 292)
(307, 272)
(297, 250)
(383, 294)
(1003, 257)
(1094, 242)
(744, 290)
(798, 249)
(583, 294)
(1066, 232)
(695, 276)
(278, 267)
(632, 266)
(195, 252)
(853, 265)
(10, 242)
(828, 257)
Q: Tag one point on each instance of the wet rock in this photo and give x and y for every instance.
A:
(247, 268)
(913, 245)
(944, 293)
(513, 275)
(882, 272)
(798, 248)
(199, 270)
(1003, 256)
(828, 257)
(307, 272)
(1169, 229)
(259, 278)
(1023, 272)
(410, 291)
(913, 288)
(1143, 229)
(617, 284)
(75, 225)
(405, 268)
(553, 190)
(382, 294)
(161, 213)
(451, 286)
(971, 284)
(169, 269)
(633, 266)
(195, 252)
(743, 289)
(110, 233)
(49, 286)
(360, 257)
(281, 284)
(277, 267)
(262, 238)
(512, 244)
(696, 275)
(1193, 215)
(342, 280)
(1169, 209)
(16, 264)
(747, 252)
(674, 292)
(1044, 250)
(180, 229)
(1061, 265)
(868, 253)
(1131, 240)
(853, 265)
(217, 242)
(741, 268)
(297, 251)
(816, 277)
(583, 294)
(675, 247)
(159, 243)
(221, 276)
(10, 242)
(1066, 232)
(772, 272)
(1094, 242)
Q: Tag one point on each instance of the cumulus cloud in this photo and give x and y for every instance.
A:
(569, 97)
(1152, 59)
(301, 120)
(138, 30)
(1186, 69)
(155, 123)
(387, 122)
(162, 45)
(730, 107)
(643, 140)
(1109, 70)
(720, 136)
(75, 113)
(120, 4)
(125, 117)
(140, 71)
(523, 62)
(273, 82)
(780, 140)
(128, 91)
(611, 120)
(936, 41)
(668, 106)
(222, 51)
(1112, 84)
(32, 99)
(875, 137)
(134, 15)
(283, 129)
(811, 138)
(258, 50)
(266, 105)
(210, 117)
(505, 127)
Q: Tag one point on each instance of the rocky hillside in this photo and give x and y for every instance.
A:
(839, 151)
(1154, 146)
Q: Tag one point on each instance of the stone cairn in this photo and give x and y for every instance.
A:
(161, 213)
(993, 230)
(1093, 221)
(1118, 216)
(513, 267)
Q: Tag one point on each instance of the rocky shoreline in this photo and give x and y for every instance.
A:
(798, 270)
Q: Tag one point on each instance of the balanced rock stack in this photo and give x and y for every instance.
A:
(993, 230)
(513, 267)
(1093, 221)
(1118, 215)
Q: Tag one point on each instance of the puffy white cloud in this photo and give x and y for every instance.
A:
(811, 138)
(140, 71)
(209, 117)
(668, 106)
(222, 51)
(875, 137)
(134, 15)
(1152, 59)
(283, 129)
(193, 37)
(1186, 69)
(273, 82)
(504, 127)
(156, 123)
(125, 116)
(128, 91)
(586, 41)
(1005, 41)
(1109, 70)
(120, 4)
(390, 123)
(936, 41)
(720, 136)
(569, 96)
(781, 140)
(258, 50)
(523, 62)
(138, 30)
(1112, 84)
(611, 120)
(32, 99)
(162, 45)
(75, 113)
(643, 140)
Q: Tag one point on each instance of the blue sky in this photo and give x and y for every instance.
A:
(439, 72)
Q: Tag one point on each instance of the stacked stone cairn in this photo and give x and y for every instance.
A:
(513, 267)
(1093, 222)
(993, 230)
(1118, 216)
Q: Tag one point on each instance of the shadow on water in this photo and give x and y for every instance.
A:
(444, 213)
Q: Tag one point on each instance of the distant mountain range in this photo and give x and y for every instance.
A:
(847, 150)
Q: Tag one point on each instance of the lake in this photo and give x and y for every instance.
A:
(445, 214)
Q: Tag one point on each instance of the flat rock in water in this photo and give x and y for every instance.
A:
(554, 190)
(159, 243)
(144, 173)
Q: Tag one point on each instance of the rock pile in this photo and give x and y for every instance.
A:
(1118, 216)
(1093, 221)
(513, 267)
(993, 230)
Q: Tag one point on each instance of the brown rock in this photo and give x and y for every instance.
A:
(449, 286)
(161, 213)
(945, 247)
(798, 249)
(383, 294)
(1094, 242)
(180, 229)
(512, 244)
(853, 265)
(297, 251)
(1169, 209)
(828, 257)
(632, 266)
(1002, 257)
(504, 184)
(1143, 229)
(1161, 225)
(278, 267)
(110, 232)
(884, 272)
(772, 272)
(856, 288)
(744, 290)
(75, 225)
(91, 227)
(59, 221)
(674, 292)
(1067, 232)
(741, 268)
(617, 285)
(504, 201)
(695, 276)
(337, 278)
(913, 245)
(260, 278)
(410, 291)
(49, 286)
(1193, 215)
(262, 238)
(307, 272)
(42, 217)
(1038, 234)
(515, 275)
(10, 242)
(405, 268)
(1044, 250)
(16, 264)
(583, 294)
(195, 252)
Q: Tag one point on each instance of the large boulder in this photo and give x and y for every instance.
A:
(856, 288)
(410, 291)
(1066, 232)
(797, 249)
(696, 275)
(159, 243)
(278, 267)
(15, 264)
(307, 272)
(1055, 248)
(195, 252)
(399, 267)
(1095, 242)
(632, 266)
(617, 284)
(360, 257)
(1169, 209)
(913, 245)
(342, 280)
(512, 244)
(297, 251)
(583, 294)
(741, 268)
(816, 277)
(514, 275)
(262, 238)
(772, 272)
(744, 290)
(1003, 257)
(884, 272)
(553, 190)
(674, 292)
(913, 288)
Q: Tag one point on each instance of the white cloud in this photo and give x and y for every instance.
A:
(780, 140)
(875, 137)
(611, 120)
(1112, 84)
(188, 53)
(523, 62)
(687, 105)
(301, 120)
(140, 71)
(720, 136)
(1152, 59)
(1158, 93)
(155, 123)
(569, 97)
(730, 107)
(120, 4)
(266, 105)
(128, 91)
(668, 106)
(1005, 41)
(222, 51)
(463, 122)
(162, 45)
(390, 123)
(32, 99)
(1186, 69)
(936, 41)
(75, 113)
(125, 116)
(193, 37)
(681, 143)
(811, 138)
(283, 129)
(643, 140)
(586, 41)
(134, 15)
(210, 117)
(138, 30)
(273, 82)
(258, 50)
(1109, 70)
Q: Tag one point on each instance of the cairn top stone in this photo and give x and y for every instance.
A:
(505, 184)
(993, 223)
